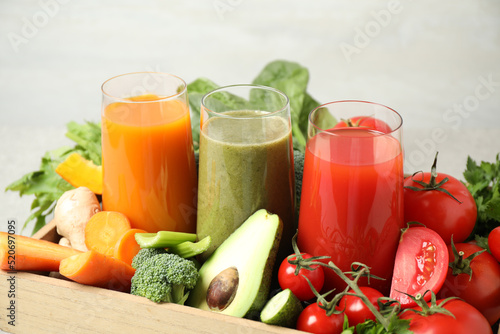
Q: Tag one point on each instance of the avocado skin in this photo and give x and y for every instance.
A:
(265, 286)
(229, 256)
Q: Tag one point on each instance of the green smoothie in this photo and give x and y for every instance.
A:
(245, 165)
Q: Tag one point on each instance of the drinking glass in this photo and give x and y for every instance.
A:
(351, 205)
(246, 161)
(149, 168)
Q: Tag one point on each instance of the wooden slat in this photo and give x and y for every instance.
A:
(48, 232)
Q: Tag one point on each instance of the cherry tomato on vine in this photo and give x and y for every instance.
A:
(480, 287)
(313, 319)
(494, 242)
(355, 309)
(466, 320)
(297, 283)
(367, 122)
(440, 202)
(421, 264)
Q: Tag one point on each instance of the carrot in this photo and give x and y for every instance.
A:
(126, 247)
(18, 252)
(104, 229)
(95, 269)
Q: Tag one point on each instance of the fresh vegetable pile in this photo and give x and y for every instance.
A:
(446, 276)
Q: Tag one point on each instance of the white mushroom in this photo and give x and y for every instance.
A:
(72, 212)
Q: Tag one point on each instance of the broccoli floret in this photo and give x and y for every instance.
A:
(165, 278)
(298, 162)
(144, 254)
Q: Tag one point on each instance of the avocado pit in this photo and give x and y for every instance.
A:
(222, 289)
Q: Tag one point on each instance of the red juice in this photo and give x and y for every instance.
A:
(352, 202)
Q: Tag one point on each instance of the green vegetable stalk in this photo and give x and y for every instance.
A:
(178, 243)
(163, 239)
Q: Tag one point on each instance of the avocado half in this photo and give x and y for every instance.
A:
(248, 255)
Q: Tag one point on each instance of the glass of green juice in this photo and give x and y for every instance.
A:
(245, 161)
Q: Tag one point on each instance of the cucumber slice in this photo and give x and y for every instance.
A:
(282, 310)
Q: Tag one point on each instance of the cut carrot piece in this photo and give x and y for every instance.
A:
(18, 252)
(127, 247)
(104, 229)
(95, 269)
(80, 172)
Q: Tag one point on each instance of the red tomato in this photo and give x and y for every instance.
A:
(364, 122)
(421, 264)
(438, 210)
(494, 243)
(297, 283)
(313, 319)
(356, 311)
(467, 320)
(483, 289)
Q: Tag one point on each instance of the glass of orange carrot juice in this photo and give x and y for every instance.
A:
(149, 170)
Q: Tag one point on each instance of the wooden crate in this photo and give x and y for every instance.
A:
(46, 304)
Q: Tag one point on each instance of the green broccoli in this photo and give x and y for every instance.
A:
(144, 254)
(298, 161)
(164, 278)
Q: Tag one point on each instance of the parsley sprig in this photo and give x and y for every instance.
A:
(483, 181)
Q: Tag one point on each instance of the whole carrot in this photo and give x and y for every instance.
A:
(18, 252)
(96, 269)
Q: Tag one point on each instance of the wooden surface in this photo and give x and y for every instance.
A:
(50, 305)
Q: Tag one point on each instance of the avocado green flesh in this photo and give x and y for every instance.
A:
(251, 249)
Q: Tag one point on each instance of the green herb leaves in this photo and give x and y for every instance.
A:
(45, 183)
(483, 181)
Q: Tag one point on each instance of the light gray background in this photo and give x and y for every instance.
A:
(428, 60)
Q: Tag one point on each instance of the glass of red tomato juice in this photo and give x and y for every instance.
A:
(149, 169)
(351, 205)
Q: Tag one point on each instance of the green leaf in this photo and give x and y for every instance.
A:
(292, 79)
(483, 182)
(288, 77)
(492, 209)
(396, 326)
(324, 119)
(309, 105)
(482, 242)
(196, 90)
(220, 102)
(88, 139)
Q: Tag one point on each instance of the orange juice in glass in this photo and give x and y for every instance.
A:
(149, 170)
